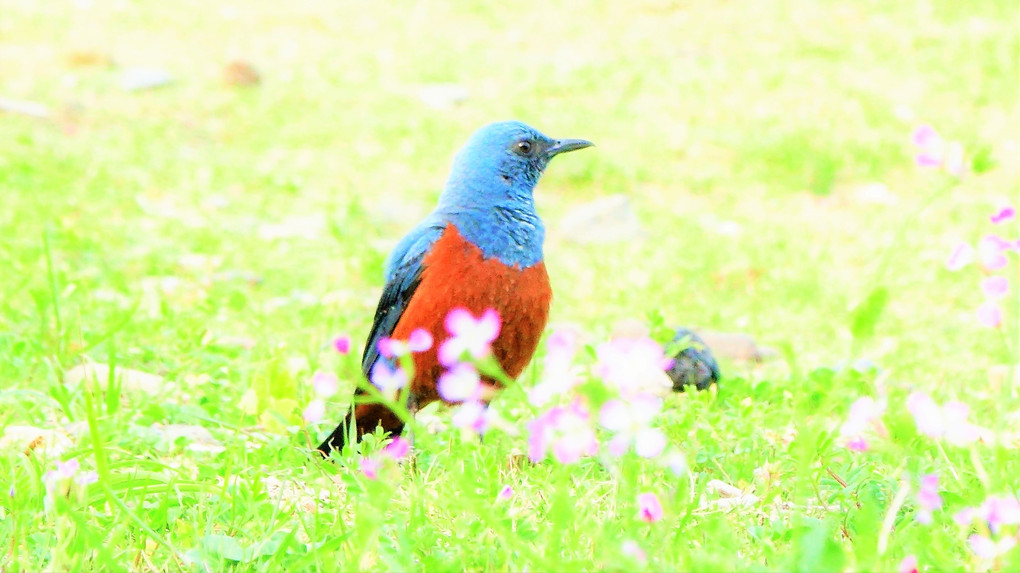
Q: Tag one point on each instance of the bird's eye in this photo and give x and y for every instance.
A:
(524, 147)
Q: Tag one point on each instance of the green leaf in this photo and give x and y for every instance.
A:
(865, 316)
(224, 546)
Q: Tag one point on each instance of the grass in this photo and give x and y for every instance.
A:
(219, 237)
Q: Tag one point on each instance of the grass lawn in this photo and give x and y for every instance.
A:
(209, 240)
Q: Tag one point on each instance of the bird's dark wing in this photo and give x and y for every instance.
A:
(403, 274)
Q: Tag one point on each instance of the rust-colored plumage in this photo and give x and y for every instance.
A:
(456, 274)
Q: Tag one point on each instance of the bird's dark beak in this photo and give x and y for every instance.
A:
(564, 145)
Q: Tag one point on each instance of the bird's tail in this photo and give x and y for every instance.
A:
(366, 417)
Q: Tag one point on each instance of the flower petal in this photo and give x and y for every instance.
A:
(962, 255)
(1005, 214)
(989, 315)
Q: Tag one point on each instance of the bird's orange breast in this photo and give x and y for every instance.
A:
(456, 274)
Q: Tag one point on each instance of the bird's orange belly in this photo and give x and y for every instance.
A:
(455, 275)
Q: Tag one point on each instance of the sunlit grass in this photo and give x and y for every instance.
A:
(220, 237)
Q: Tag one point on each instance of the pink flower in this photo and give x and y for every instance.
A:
(989, 315)
(388, 379)
(398, 448)
(1004, 214)
(631, 422)
(86, 478)
(65, 470)
(961, 256)
(559, 375)
(419, 341)
(325, 383)
(460, 383)
(995, 287)
(472, 416)
(987, 549)
(865, 414)
(631, 549)
(928, 498)
(566, 430)
(995, 511)
(649, 508)
(948, 422)
(342, 344)
(505, 493)
(369, 467)
(314, 412)
(991, 252)
(953, 161)
(634, 365)
(934, 152)
(908, 565)
(474, 336)
(676, 462)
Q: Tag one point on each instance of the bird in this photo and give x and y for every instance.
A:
(480, 248)
(693, 364)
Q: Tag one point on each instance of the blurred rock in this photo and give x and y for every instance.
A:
(604, 220)
(29, 108)
(26, 439)
(875, 193)
(735, 346)
(129, 380)
(241, 73)
(135, 79)
(693, 364)
(198, 438)
(85, 58)
(442, 96)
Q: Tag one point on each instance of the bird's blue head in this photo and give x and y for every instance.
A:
(502, 162)
(489, 191)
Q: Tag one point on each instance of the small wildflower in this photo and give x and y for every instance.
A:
(948, 422)
(630, 420)
(631, 549)
(962, 255)
(388, 379)
(908, 565)
(505, 493)
(928, 498)
(991, 251)
(87, 478)
(1002, 215)
(314, 412)
(633, 365)
(864, 414)
(566, 430)
(989, 315)
(398, 448)
(559, 375)
(472, 415)
(369, 467)
(995, 287)
(66, 470)
(325, 384)
(953, 161)
(935, 152)
(468, 334)
(649, 508)
(987, 549)
(996, 511)
(676, 462)
(460, 383)
(420, 340)
(342, 344)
